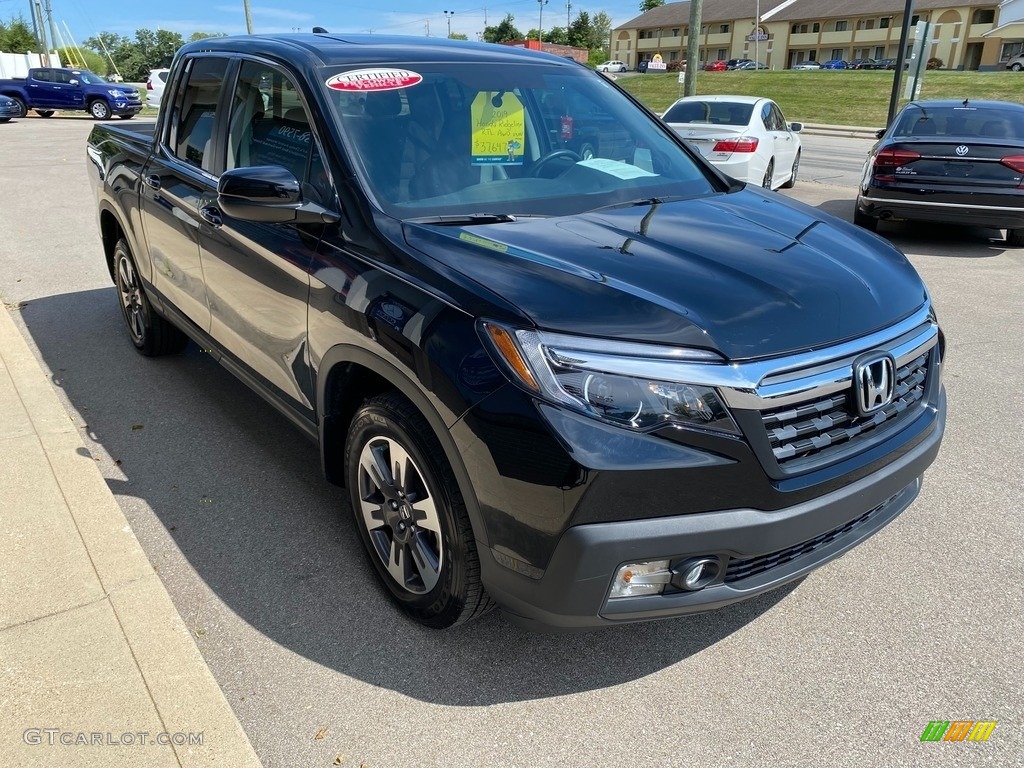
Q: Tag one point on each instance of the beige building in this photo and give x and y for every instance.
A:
(969, 34)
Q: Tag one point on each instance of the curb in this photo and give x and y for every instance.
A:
(92, 641)
(847, 131)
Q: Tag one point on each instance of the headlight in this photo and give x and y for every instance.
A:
(117, 94)
(627, 384)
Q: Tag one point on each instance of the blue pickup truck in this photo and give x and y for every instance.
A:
(47, 89)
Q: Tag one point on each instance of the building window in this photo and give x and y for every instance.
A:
(880, 52)
(723, 29)
(723, 53)
(883, 23)
(837, 53)
(840, 26)
(815, 27)
(983, 16)
(914, 19)
(704, 29)
(675, 32)
(800, 29)
(673, 55)
(866, 24)
(1010, 50)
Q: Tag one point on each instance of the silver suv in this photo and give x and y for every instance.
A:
(1016, 63)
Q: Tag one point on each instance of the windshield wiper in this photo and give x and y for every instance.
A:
(466, 218)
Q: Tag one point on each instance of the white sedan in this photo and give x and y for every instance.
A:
(612, 66)
(743, 136)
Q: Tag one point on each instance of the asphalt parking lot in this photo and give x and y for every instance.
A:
(925, 621)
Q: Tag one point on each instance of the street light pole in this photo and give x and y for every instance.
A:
(448, 15)
(757, 33)
(540, 31)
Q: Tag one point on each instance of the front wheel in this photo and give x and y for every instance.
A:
(44, 112)
(791, 182)
(151, 334)
(1017, 67)
(99, 109)
(1015, 237)
(410, 514)
(766, 182)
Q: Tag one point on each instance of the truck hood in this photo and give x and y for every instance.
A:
(747, 274)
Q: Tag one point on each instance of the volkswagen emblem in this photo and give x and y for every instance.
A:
(874, 381)
(962, 150)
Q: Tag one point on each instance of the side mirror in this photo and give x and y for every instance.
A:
(270, 194)
(796, 127)
(880, 133)
(72, 82)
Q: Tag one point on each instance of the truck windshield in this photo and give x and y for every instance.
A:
(436, 139)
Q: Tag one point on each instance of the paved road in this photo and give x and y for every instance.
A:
(834, 160)
(922, 622)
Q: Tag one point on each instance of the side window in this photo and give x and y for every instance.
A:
(191, 138)
(780, 121)
(766, 117)
(43, 76)
(269, 126)
(63, 77)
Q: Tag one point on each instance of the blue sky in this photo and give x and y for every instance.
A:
(85, 18)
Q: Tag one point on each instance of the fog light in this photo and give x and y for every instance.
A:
(696, 573)
(646, 578)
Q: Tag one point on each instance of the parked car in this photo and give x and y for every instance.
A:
(750, 65)
(155, 85)
(716, 66)
(885, 63)
(806, 65)
(47, 89)
(834, 64)
(862, 64)
(9, 108)
(736, 63)
(612, 66)
(1016, 63)
(745, 137)
(590, 390)
(952, 162)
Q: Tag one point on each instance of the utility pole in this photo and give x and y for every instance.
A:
(693, 47)
(568, 11)
(757, 34)
(448, 15)
(248, 17)
(901, 56)
(540, 30)
(49, 19)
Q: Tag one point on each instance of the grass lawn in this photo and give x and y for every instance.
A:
(849, 97)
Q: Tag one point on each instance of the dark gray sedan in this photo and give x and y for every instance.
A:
(8, 108)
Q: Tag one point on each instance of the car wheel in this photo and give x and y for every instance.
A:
(869, 223)
(1017, 67)
(766, 182)
(21, 106)
(151, 334)
(44, 112)
(410, 514)
(587, 151)
(99, 109)
(791, 182)
(1015, 237)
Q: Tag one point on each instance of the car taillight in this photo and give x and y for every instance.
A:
(888, 160)
(149, 85)
(1016, 162)
(746, 144)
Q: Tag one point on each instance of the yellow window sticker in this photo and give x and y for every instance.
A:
(499, 129)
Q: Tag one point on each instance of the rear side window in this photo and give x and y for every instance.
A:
(191, 138)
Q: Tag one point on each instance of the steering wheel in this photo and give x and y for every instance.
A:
(550, 157)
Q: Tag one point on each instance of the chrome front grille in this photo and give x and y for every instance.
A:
(822, 426)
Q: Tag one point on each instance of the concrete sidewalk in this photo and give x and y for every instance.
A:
(96, 666)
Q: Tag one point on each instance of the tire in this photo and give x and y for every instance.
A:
(769, 172)
(587, 151)
(441, 587)
(870, 223)
(151, 334)
(4, 120)
(1017, 67)
(21, 106)
(791, 182)
(99, 109)
(126, 117)
(1015, 238)
(44, 112)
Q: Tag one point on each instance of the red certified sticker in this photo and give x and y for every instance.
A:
(374, 80)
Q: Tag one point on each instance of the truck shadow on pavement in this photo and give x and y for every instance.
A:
(911, 236)
(214, 481)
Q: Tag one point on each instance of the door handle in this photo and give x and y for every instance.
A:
(152, 181)
(211, 215)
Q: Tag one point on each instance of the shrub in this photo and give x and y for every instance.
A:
(675, 66)
(934, 63)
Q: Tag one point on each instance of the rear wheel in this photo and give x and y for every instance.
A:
(410, 514)
(99, 109)
(792, 176)
(1017, 67)
(151, 334)
(869, 223)
(21, 106)
(766, 182)
(44, 112)
(1015, 238)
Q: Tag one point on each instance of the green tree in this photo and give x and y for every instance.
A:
(600, 31)
(650, 5)
(503, 32)
(204, 35)
(16, 36)
(556, 35)
(579, 31)
(73, 57)
(457, 36)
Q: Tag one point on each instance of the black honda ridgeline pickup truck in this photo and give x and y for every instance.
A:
(589, 389)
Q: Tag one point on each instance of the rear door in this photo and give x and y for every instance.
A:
(41, 90)
(178, 182)
(782, 138)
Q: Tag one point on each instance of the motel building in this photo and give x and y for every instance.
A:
(965, 35)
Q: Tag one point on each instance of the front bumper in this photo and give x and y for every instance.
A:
(790, 542)
(126, 108)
